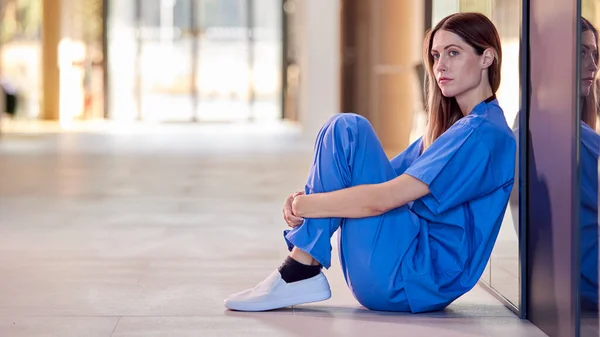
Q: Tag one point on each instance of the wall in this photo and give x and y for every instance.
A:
(319, 27)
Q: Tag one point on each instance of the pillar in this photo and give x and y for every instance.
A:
(319, 30)
(397, 40)
(382, 42)
(51, 33)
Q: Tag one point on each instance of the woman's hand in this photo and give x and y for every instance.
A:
(288, 215)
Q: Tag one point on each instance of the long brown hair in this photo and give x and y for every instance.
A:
(477, 31)
(589, 103)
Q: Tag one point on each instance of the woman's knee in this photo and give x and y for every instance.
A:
(344, 123)
(347, 118)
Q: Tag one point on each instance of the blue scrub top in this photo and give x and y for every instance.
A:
(469, 170)
(590, 144)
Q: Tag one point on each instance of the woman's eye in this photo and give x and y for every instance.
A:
(453, 53)
(435, 56)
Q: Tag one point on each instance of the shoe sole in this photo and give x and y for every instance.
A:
(287, 302)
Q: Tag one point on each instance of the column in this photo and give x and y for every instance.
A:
(319, 30)
(51, 31)
(397, 43)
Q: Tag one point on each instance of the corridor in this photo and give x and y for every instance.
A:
(142, 232)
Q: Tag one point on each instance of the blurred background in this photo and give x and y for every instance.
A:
(264, 61)
(147, 60)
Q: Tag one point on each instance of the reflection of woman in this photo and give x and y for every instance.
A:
(589, 149)
(416, 232)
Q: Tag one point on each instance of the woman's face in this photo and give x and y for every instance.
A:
(456, 65)
(589, 55)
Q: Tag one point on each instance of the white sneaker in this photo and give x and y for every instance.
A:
(275, 293)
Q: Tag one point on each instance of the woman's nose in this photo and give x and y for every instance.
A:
(593, 65)
(440, 66)
(590, 63)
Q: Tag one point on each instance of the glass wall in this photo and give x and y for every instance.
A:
(80, 53)
(166, 38)
(266, 60)
(122, 66)
(502, 273)
(81, 58)
(20, 53)
(225, 65)
(185, 60)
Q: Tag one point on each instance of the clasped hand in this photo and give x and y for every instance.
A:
(288, 215)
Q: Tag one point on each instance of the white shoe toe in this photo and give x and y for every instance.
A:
(274, 293)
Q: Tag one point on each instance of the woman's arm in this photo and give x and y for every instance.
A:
(360, 201)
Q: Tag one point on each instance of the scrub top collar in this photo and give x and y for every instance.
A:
(480, 108)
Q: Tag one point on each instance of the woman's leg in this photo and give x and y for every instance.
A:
(348, 153)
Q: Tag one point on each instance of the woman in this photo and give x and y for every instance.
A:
(415, 232)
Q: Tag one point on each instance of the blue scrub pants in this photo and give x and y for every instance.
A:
(348, 153)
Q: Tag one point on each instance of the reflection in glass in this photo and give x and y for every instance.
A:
(590, 141)
(589, 150)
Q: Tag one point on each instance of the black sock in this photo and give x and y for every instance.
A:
(292, 271)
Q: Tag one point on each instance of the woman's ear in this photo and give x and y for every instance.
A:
(488, 57)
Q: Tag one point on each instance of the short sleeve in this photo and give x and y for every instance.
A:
(457, 168)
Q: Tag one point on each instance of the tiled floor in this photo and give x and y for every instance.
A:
(143, 233)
